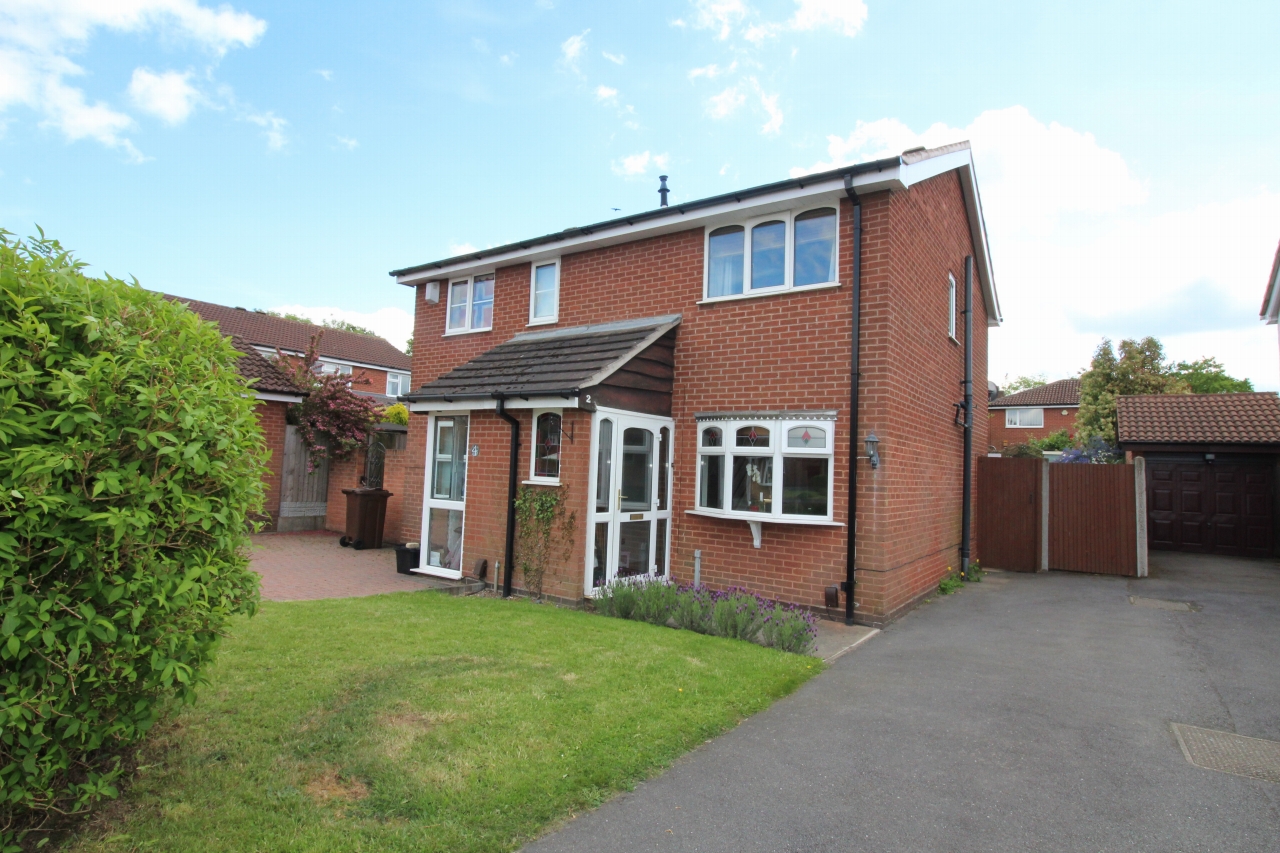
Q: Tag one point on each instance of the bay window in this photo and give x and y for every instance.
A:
(768, 466)
(780, 252)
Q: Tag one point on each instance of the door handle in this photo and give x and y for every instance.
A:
(619, 500)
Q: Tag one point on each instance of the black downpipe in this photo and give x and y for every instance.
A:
(966, 513)
(854, 374)
(513, 475)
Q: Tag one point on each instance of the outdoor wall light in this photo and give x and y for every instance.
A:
(872, 456)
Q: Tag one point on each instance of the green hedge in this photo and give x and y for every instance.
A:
(130, 459)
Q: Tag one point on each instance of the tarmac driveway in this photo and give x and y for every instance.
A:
(1028, 712)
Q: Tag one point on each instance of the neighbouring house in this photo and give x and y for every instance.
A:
(274, 392)
(1033, 413)
(1211, 464)
(684, 378)
(1271, 300)
(310, 495)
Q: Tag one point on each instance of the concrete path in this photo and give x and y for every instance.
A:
(1028, 712)
(301, 566)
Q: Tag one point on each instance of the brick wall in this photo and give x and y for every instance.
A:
(786, 351)
(347, 474)
(999, 436)
(271, 417)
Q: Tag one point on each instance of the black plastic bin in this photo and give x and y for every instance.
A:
(407, 558)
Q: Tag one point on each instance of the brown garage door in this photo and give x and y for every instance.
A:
(1219, 507)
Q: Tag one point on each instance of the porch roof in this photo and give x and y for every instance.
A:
(560, 362)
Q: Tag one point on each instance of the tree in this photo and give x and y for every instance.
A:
(1140, 369)
(332, 420)
(1208, 376)
(294, 317)
(344, 326)
(130, 462)
(408, 347)
(1022, 383)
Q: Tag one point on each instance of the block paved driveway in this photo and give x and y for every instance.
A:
(300, 566)
(1028, 712)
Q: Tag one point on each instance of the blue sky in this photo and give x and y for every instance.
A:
(277, 155)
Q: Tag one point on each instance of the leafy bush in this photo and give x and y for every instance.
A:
(734, 613)
(396, 414)
(130, 459)
(1094, 450)
(1060, 440)
(1022, 451)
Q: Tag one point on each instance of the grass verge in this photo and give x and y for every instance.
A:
(421, 722)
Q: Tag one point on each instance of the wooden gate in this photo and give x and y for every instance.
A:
(303, 494)
(1033, 515)
(1093, 523)
(1010, 508)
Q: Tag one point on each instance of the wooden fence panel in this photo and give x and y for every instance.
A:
(1092, 519)
(303, 493)
(1009, 508)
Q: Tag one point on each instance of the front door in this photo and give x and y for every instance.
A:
(631, 498)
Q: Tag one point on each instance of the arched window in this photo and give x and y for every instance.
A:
(815, 252)
(769, 255)
(725, 261)
(546, 449)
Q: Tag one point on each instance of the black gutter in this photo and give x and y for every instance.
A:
(966, 513)
(851, 545)
(487, 395)
(512, 477)
(678, 210)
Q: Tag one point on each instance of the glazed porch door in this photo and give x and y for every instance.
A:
(631, 506)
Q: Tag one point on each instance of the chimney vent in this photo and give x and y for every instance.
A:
(662, 190)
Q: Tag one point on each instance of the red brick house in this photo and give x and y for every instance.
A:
(1033, 413)
(274, 391)
(686, 378)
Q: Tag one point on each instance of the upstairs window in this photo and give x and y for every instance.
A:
(773, 254)
(1024, 418)
(397, 384)
(326, 368)
(471, 304)
(544, 300)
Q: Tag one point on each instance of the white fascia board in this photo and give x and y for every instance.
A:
(1272, 315)
(270, 352)
(278, 398)
(889, 179)
(489, 405)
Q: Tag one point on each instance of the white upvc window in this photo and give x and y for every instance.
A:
(470, 304)
(544, 462)
(544, 292)
(779, 252)
(1024, 418)
(325, 368)
(763, 469)
(397, 384)
(951, 306)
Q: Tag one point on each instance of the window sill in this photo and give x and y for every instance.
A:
(1007, 426)
(535, 481)
(466, 332)
(438, 572)
(543, 321)
(767, 519)
(772, 291)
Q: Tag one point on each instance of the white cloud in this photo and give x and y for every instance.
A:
(726, 103)
(843, 16)
(456, 249)
(393, 324)
(168, 95)
(724, 170)
(545, 4)
(37, 38)
(348, 143)
(712, 71)
(615, 58)
(571, 50)
(638, 164)
(606, 95)
(508, 58)
(1078, 254)
(325, 73)
(769, 103)
(719, 15)
(273, 127)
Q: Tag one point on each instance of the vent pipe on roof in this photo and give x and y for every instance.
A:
(662, 190)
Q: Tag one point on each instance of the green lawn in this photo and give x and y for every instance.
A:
(422, 722)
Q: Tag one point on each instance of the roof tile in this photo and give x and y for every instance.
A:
(1064, 392)
(253, 365)
(1246, 418)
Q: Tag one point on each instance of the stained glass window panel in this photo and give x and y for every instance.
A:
(753, 436)
(810, 437)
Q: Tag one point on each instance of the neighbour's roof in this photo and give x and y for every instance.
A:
(264, 330)
(1064, 392)
(1271, 300)
(270, 379)
(1248, 418)
(543, 364)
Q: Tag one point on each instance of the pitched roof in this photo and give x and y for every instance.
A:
(1247, 418)
(559, 362)
(264, 330)
(1064, 392)
(271, 379)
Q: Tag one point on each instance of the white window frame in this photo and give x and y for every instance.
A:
(533, 283)
(779, 451)
(1012, 418)
(330, 368)
(401, 380)
(470, 282)
(788, 218)
(431, 502)
(951, 307)
(534, 479)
